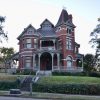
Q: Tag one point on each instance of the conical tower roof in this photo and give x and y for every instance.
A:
(63, 17)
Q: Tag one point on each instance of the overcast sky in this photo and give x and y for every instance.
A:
(20, 13)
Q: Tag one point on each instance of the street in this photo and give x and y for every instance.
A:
(17, 98)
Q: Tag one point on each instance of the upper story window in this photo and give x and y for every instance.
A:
(68, 44)
(68, 30)
(35, 43)
(30, 31)
(28, 43)
(35, 40)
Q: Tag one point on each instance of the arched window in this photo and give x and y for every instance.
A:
(69, 61)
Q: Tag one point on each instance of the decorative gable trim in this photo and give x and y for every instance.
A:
(25, 30)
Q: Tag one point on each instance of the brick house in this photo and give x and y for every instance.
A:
(50, 48)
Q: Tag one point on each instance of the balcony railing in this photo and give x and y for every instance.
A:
(48, 48)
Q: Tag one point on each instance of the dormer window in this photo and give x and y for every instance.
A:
(30, 31)
(47, 25)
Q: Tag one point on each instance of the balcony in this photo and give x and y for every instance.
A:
(48, 48)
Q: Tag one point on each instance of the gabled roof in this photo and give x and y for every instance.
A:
(25, 29)
(46, 20)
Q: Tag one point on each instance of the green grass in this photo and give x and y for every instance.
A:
(7, 77)
(69, 80)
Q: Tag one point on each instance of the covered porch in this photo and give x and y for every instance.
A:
(46, 61)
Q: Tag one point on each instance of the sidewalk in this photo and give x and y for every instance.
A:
(53, 96)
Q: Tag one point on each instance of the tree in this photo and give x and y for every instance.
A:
(2, 33)
(95, 38)
(89, 62)
(6, 54)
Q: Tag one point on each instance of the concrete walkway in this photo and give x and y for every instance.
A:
(18, 98)
(51, 96)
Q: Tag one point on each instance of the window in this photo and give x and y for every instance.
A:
(35, 43)
(68, 30)
(68, 44)
(28, 43)
(30, 31)
(28, 62)
(69, 61)
(35, 40)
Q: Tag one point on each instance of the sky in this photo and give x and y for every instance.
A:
(20, 13)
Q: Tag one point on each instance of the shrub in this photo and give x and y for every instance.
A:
(68, 74)
(94, 74)
(68, 88)
(26, 72)
(4, 85)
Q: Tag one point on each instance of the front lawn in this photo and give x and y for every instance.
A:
(8, 77)
(69, 80)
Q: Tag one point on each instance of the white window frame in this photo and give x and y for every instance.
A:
(69, 61)
(68, 44)
(28, 62)
(28, 43)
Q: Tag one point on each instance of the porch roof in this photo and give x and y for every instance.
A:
(79, 56)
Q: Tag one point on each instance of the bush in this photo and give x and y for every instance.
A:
(25, 72)
(6, 85)
(94, 74)
(68, 74)
(68, 88)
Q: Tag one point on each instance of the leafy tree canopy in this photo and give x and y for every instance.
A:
(2, 33)
(95, 36)
(89, 62)
(6, 52)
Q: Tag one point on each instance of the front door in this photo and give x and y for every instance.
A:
(46, 61)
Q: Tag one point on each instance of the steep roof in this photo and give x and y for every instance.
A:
(47, 33)
(25, 29)
(63, 17)
(47, 29)
(46, 20)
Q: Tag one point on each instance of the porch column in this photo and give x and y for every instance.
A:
(40, 44)
(58, 59)
(52, 60)
(33, 61)
(82, 63)
(54, 44)
(39, 62)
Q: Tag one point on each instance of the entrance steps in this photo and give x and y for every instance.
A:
(44, 73)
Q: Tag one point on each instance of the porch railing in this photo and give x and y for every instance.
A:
(67, 69)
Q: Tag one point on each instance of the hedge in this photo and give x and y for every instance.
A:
(91, 74)
(68, 88)
(68, 73)
(6, 85)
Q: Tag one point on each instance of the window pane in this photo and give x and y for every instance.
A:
(28, 41)
(28, 45)
(28, 65)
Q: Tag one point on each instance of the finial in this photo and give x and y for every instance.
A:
(64, 7)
